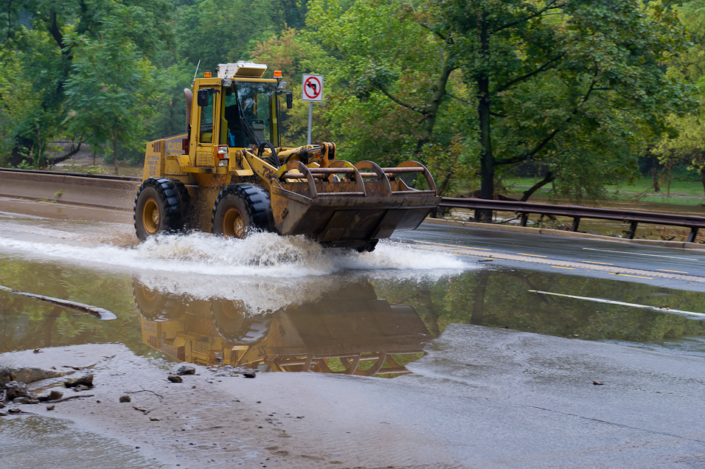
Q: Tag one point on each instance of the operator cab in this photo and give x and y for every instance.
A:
(239, 108)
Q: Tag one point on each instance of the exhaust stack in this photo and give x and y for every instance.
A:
(189, 100)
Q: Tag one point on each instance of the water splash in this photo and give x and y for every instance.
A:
(260, 255)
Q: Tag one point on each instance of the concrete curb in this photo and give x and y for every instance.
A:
(70, 190)
(565, 234)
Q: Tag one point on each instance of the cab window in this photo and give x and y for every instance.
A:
(207, 120)
(251, 114)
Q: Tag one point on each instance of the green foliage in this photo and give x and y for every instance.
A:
(580, 88)
(383, 73)
(568, 83)
(16, 102)
(293, 55)
(222, 31)
(37, 36)
(109, 85)
(688, 145)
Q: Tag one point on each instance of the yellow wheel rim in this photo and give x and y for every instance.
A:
(233, 224)
(150, 216)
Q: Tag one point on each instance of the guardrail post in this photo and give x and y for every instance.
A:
(524, 218)
(576, 224)
(693, 234)
(632, 230)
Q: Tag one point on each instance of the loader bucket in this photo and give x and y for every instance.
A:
(346, 205)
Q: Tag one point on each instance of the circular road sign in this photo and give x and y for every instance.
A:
(312, 88)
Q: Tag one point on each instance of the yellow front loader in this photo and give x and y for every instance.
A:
(229, 173)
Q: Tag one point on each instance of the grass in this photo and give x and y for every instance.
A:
(640, 191)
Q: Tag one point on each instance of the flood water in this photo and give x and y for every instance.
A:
(278, 304)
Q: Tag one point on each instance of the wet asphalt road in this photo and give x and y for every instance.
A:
(625, 255)
(606, 252)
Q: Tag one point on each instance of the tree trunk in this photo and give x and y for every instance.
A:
(431, 110)
(654, 174)
(487, 159)
(93, 156)
(446, 180)
(59, 159)
(115, 151)
(547, 179)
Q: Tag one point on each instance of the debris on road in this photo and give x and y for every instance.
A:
(85, 380)
(186, 370)
(52, 396)
(15, 389)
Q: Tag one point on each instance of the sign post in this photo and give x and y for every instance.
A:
(311, 90)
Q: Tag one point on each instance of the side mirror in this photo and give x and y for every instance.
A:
(202, 99)
(289, 100)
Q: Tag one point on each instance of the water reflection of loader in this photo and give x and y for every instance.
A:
(347, 331)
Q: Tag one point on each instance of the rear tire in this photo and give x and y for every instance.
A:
(240, 209)
(161, 206)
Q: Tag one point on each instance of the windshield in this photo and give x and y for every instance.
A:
(256, 104)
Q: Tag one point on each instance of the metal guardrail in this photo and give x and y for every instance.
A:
(577, 213)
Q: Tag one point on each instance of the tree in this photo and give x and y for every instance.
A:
(689, 144)
(222, 31)
(109, 84)
(16, 101)
(577, 85)
(290, 53)
(37, 30)
(392, 81)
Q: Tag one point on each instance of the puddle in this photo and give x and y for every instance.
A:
(362, 322)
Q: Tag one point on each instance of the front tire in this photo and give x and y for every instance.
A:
(160, 207)
(239, 209)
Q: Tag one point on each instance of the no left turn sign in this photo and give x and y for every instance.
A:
(312, 89)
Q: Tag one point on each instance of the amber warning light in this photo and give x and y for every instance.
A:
(207, 74)
(277, 73)
(220, 152)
